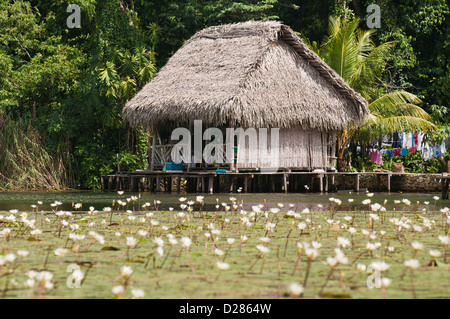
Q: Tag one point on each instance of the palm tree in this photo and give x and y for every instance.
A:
(351, 52)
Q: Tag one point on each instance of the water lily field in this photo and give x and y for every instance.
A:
(259, 246)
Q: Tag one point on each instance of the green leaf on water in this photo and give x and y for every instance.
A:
(110, 248)
(135, 261)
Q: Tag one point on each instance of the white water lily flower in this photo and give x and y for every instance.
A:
(61, 252)
(412, 263)
(445, 240)
(361, 268)
(380, 266)
(186, 242)
(416, 245)
(223, 265)
(343, 242)
(138, 293)
(435, 253)
(131, 242)
(311, 253)
(295, 289)
(118, 290)
(126, 271)
(385, 282)
(262, 249)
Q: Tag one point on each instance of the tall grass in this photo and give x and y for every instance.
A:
(24, 162)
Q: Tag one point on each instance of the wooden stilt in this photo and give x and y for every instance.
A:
(211, 185)
(246, 184)
(118, 184)
(285, 183)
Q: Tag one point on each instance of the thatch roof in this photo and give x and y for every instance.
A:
(254, 74)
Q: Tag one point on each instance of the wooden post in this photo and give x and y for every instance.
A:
(118, 184)
(178, 184)
(246, 184)
(203, 184)
(152, 160)
(132, 182)
(321, 182)
(211, 185)
(110, 183)
(357, 183)
(232, 181)
(158, 184)
(445, 186)
(197, 185)
(285, 183)
(389, 182)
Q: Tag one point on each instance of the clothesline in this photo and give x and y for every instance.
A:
(427, 152)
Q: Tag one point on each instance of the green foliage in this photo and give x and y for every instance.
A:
(70, 85)
(129, 162)
(412, 163)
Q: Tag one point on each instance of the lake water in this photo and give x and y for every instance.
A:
(23, 200)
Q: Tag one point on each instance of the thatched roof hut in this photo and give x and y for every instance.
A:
(252, 74)
(257, 74)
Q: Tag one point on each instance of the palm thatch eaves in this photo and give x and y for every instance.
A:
(252, 74)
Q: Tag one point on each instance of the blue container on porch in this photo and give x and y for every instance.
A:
(170, 166)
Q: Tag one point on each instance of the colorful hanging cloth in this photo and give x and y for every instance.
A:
(404, 151)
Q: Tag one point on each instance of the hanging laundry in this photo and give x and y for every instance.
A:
(408, 141)
(397, 141)
(412, 149)
(416, 139)
(426, 152)
(397, 152)
(373, 155)
(437, 151)
(379, 158)
(419, 141)
(404, 151)
(390, 153)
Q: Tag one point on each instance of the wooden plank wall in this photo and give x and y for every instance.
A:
(294, 151)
